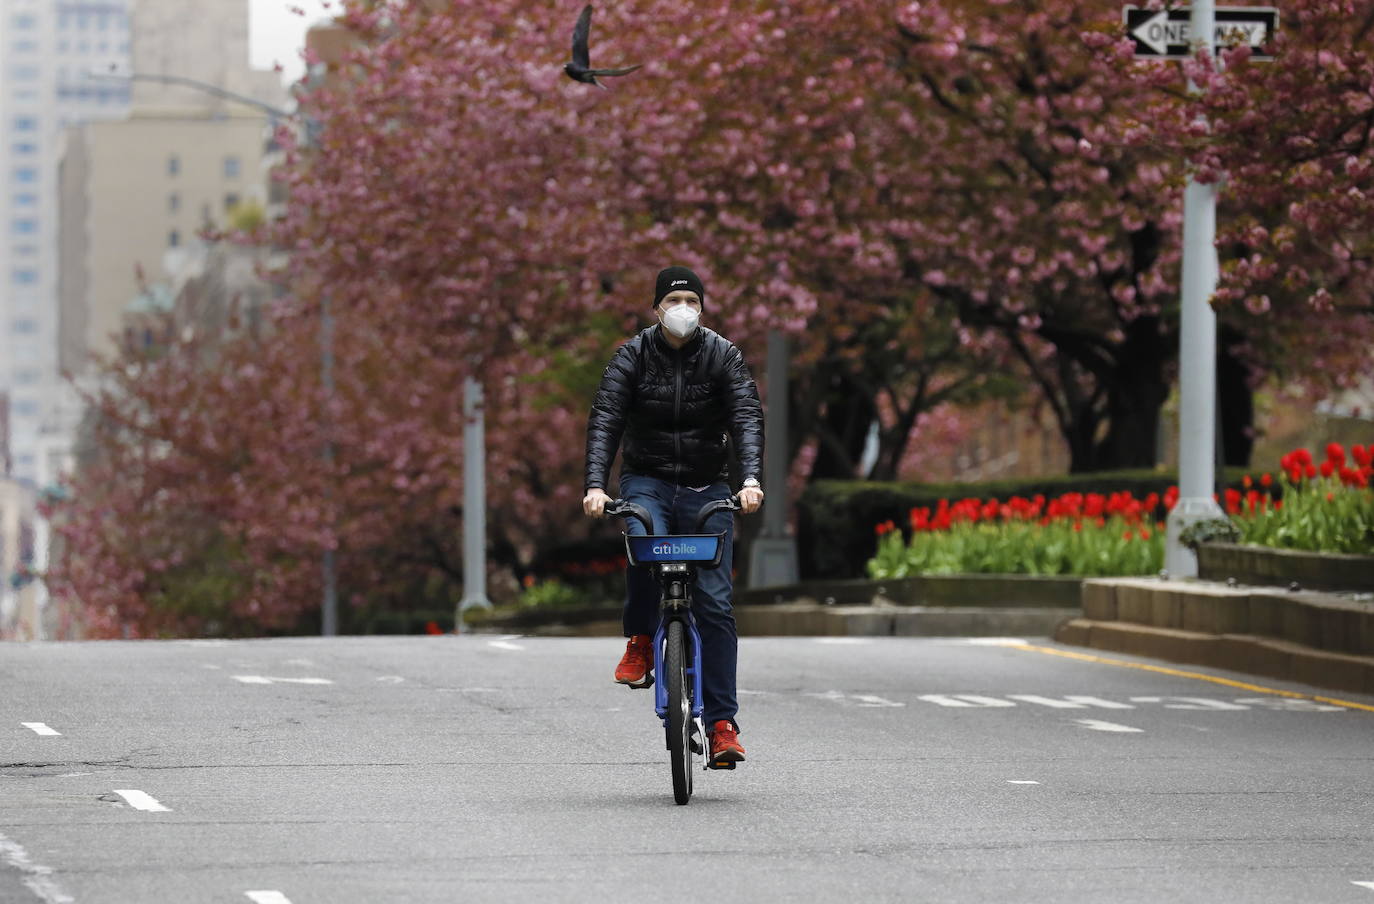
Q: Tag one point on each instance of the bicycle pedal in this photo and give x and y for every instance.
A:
(646, 681)
(720, 764)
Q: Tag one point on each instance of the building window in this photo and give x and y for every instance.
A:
(24, 47)
(24, 325)
(24, 277)
(24, 147)
(173, 202)
(25, 227)
(173, 165)
(26, 408)
(23, 21)
(24, 73)
(231, 167)
(24, 199)
(173, 239)
(231, 200)
(26, 376)
(25, 124)
(26, 174)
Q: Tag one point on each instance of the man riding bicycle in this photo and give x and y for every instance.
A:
(676, 394)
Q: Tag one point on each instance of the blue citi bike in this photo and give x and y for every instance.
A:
(674, 559)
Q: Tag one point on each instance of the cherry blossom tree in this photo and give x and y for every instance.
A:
(925, 198)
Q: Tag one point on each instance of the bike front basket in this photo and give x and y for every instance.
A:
(697, 549)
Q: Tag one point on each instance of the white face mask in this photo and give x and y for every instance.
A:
(681, 320)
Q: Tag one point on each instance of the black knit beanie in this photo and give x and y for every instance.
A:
(674, 278)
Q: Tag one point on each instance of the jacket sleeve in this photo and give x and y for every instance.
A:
(746, 414)
(606, 423)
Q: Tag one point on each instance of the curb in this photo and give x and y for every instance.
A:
(811, 619)
(1322, 639)
(1264, 656)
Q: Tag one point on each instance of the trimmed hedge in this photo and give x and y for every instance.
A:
(835, 518)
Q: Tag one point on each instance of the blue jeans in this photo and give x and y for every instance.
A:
(674, 509)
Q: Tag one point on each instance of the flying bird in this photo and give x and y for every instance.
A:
(579, 69)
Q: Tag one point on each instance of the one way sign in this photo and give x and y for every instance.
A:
(1163, 33)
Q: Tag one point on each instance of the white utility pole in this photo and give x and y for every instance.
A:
(474, 503)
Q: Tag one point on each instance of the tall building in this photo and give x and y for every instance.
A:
(205, 41)
(47, 52)
(135, 195)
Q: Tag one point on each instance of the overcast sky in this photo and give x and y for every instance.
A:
(277, 35)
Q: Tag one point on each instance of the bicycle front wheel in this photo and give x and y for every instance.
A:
(679, 711)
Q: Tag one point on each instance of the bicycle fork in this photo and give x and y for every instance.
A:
(698, 739)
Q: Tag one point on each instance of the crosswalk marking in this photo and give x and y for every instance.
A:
(39, 728)
(871, 700)
(1047, 701)
(965, 700)
(1190, 703)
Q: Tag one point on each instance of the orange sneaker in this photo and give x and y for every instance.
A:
(636, 666)
(725, 745)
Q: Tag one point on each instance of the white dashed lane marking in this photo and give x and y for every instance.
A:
(263, 679)
(267, 897)
(1099, 725)
(141, 800)
(1022, 781)
(39, 728)
(504, 645)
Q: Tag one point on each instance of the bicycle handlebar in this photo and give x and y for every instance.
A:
(731, 504)
(631, 510)
(627, 509)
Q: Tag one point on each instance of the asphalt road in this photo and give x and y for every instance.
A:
(479, 768)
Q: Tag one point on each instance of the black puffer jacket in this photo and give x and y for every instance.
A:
(674, 408)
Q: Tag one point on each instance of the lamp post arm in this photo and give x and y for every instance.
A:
(206, 87)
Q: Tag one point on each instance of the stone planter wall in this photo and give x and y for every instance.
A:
(954, 590)
(1263, 566)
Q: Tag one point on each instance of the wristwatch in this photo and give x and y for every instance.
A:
(750, 482)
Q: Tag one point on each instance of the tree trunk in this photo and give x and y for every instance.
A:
(842, 430)
(1135, 390)
(1235, 399)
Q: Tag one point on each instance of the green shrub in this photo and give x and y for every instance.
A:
(555, 593)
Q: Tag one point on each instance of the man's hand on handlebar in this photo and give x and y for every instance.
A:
(594, 503)
(750, 498)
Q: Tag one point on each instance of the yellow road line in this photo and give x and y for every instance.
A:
(1180, 673)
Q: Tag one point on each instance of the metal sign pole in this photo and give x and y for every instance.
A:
(1197, 379)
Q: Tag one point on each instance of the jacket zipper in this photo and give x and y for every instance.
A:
(677, 415)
